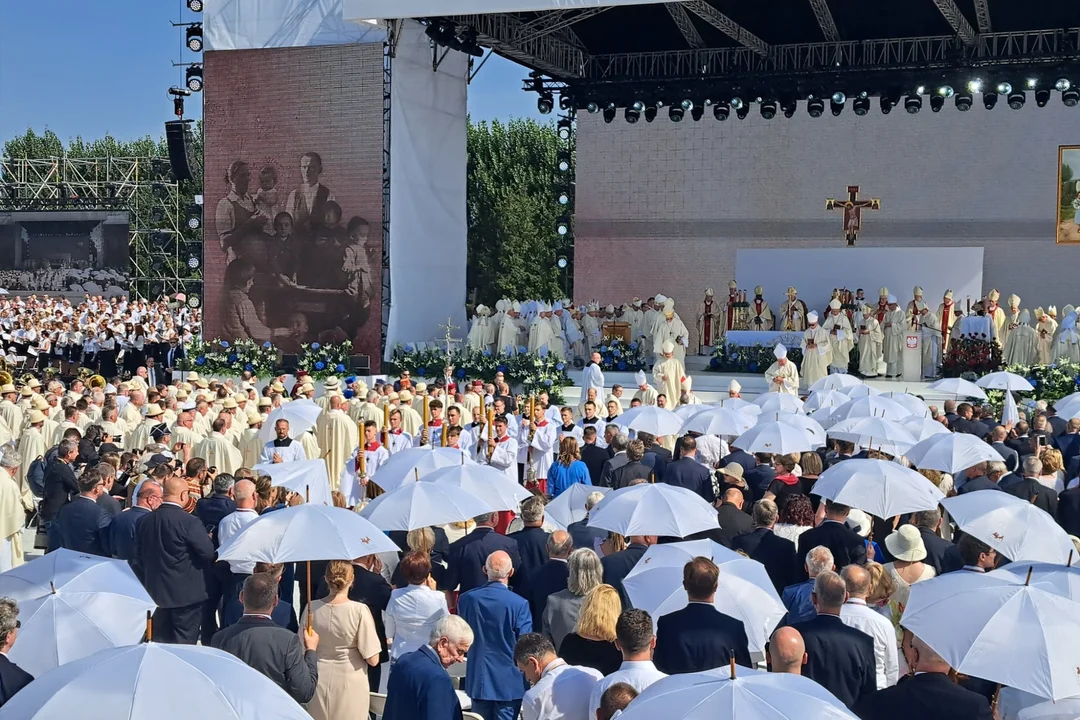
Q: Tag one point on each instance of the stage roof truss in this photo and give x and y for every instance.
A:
(513, 38)
(825, 19)
(686, 25)
(729, 27)
(982, 15)
(956, 19)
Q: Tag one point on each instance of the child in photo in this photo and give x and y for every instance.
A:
(266, 197)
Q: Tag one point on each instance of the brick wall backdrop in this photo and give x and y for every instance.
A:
(268, 108)
(662, 207)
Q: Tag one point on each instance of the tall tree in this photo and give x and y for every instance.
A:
(513, 185)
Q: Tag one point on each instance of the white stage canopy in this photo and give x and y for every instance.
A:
(426, 8)
(257, 24)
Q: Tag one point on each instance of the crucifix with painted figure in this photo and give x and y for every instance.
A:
(852, 208)
(449, 339)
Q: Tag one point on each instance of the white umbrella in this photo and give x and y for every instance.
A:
(823, 416)
(913, 404)
(738, 404)
(1010, 415)
(835, 382)
(72, 605)
(958, 387)
(1063, 580)
(879, 487)
(825, 399)
(484, 482)
(651, 419)
(922, 428)
(419, 505)
(133, 682)
(569, 506)
(750, 695)
(1004, 381)
(1068, 409)
(1067, 709)
(951, 452)
(306, 532)
(1012, 526)
(807, 424)
(774, 401)
(685, 412)
(412, 464)
(875, 406)
(306, 477)
(649, 509)
(774, 437)
(745, 591)
(874, 433)
(860, 391)
(999, 629)
(301, 414)
(719, 421)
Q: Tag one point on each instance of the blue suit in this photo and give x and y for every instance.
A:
(84, 527)
(498, 617)
(690, 474)
(122, 532)
(420, 689)
(465, 558)
(799, 604)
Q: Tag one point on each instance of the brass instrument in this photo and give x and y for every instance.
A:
(96, 382)
(26, 378)
(530, 471)
(5, 378)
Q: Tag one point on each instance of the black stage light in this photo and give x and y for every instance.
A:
(913, 103)
(565, 101)
(194, 78)
(737, 103)
(633, 113)
(1062, 84)
(195, 5)
(592, 108)
(742, 112)
(721, 110)
(1017, 99)
(697, 112)
(990, 100)
(885, 104)
(768, 108)
(1004, 88)
(675, 113)
(194, 217)
(789, 106)
(963, 101)
(1042, 97)
(937, 102)
(194, 37)
(650, 113)
(815, 106)
(562, 226)
(565, 128)
(1070, 97)
(467, 44)
(861, 105)
(609, 113)
(563, 160)
(545, 103)
(839, 98)
(836, 107)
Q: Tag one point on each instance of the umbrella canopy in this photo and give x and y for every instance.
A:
(823, 416)
(774, 437)
(774, 401)
(1067, 709)
(1004, 381)
(875, 406)
(649, 509)
(807, 424)
(922, 428)
(860, 391)
(745, 591)
(651, 419)
(409, 465)
(950, 452)
(484, 482)
(131, 682)
(1068, 409)
(306, 477)
(738, 404)
(911, 403)
(958, 387)
(301, 415)
(685, 412)
(1008, 632)
(1012, 526)
(874, 433)
(72, 605)
(1053, 578)
(751, 695)
(719, 421)
(878, 487)
(825, 399)
(422, 504)
(569, 506)
(836, 382)
(306, 532)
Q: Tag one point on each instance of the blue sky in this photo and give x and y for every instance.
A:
(88, 68)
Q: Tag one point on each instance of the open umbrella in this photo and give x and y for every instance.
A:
(922, 428)
(860, 391)
(654, 510)
(301, 414)
(774, 401)
(132, 682)
(651, 419)
(825, 399)
(745, 591)
(409, 465)
(874, 433)
(1067, 709)
(719, 421)
(774, 437)
(874, 406)
(484, 482)
(72, 605)
(958, 387)
(879, 487)
(749, 695)
(1012, 526)
(835, 382)
(1063, 580)
(306, 477)
(685, 412)
(738, 404)
(999, 629)
(1004, 381)
(951, 452)
(913, 404)
(420, 504)
(569, 506)
(807, 424)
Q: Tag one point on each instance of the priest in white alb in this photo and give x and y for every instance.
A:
(670, 328)
(782, 376)
(482, 333)
(646, 393)
(1045, 330)
(251, 444)
(869, 342)
(893, 328)
(592, 376)
(216, 449)
(13, 509)
(338, 437)
(511, 331)
(841, 339)
(931, 342)
(668, 375)
(353, 480)
(1021, 344)
(815, 351)
(1067, 341)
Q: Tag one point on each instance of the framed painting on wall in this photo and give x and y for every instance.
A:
(1068, 188)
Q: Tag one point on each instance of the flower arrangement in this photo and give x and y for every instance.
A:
(615, 354)
(1052, 382)
(321, 361)
(222, 357)
(971, 355)
(526, 372)
(729, 358)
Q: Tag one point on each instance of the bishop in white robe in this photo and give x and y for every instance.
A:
(1021, 344)
(338, 437)
(815, 350)
(646, 393)
(841, 340)
(669, 374)
(869, 343)
(782, 376)
(13, 508)
(670, 329)
(219, 452)
(893, 329)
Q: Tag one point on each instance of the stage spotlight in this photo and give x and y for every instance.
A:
(946, 91)
(564, 198)
(742, 112)
(565, 128)
(562, 262)
(815, 106)
(1070, 97)
(545, 103)
(836, 107)
(195, 5)
(936, 103)
(768, 109)
(193, 301)
(1032, 83)
(563, 160)
(631, 115)
(921, 90)
(721, 110)
(609, 113)
(789, 106)
(650, 113)
(1016, 99)
(1004, 88)
(194, 217)
(1042, 97)
(990, 100)
(687, 105)
(675, 113)
(194, 262)
(565, 102)
(913, 104)
(195, 37)
(974, 86)
(698, 112)
(885, 104)
(737, 103)
(861, 105)
(592, 108)
(563, 225)
(963, 102)
(839, 98)
(194, 78)
(1062, 84)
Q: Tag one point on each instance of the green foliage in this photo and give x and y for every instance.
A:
(320, 361)
(513, 183)
(1051, 382)
(231, 359)
(525, 372)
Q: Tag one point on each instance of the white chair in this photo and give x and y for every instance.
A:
(377, 704)
(470, 716)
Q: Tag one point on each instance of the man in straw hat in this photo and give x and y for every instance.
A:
(139, 437)
(782, 376)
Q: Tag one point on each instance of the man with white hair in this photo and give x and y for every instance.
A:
(420, 688)
(855, 613)
(782, 376)
(592, 376)
(797, 598)
(499, 618)
(646, 393)
(669, 373)
(669, 328)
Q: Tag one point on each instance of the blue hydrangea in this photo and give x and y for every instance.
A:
(523, 350)
(621, 365)
(633, 346)
(500, 368)
(339, 368)
(714, 363)
(422, 372)
(753, 367)
(232, 357)
(201, 360)
(616, 353)
(224, 344)
(249, 367)
(315, 346)
(487, 353)
(320, 365)
(267, 345)
(348, 394)
(408, 347)
(603, 348)
(461, 372)
(560, 367)
(547, 383)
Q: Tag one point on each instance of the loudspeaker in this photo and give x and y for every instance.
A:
(360, 364)
(176, 135)
(289, 363)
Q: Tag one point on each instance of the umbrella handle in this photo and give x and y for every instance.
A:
(732, 667)
(149, 626)
(308, 596)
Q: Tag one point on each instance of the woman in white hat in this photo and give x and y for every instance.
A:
(907, 568)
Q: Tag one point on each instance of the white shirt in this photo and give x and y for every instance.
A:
(293, 453)
(410, 616)
(639, 675)
(856, 614)
(230, 525)
(569, 701)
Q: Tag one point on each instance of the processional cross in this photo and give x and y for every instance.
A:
(449, 339)
(852, 209)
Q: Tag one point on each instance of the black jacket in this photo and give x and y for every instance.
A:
(211, 510)
(937, 549)
(611, 466)
(84, 527)
(623, 476)
(777, 554)
(839, 657)
(171, 551)
(618, 565)
(275, 652)
(12, 679)
(690, 474)
(927, 696)
(60, 487)
(594, 458)
(844, 543)
(544, 582)
(979, 483)
(733, 523)
(740, 457)
(1068, 511)
(699, 637)
(585, 536)
(1009, 456)
(758, 479)
(466, 557)
(532, 549)
(1037, 494)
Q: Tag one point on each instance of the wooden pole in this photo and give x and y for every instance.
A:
(732, 667)
(1069, 564)
(1027, 581)
(149, 625)
(308, 563)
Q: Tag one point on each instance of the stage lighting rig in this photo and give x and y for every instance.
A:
(563, 160)
(178, 94)
(545, 103)
(195, 5)
(565, 102)
(650, 113)
(742, 112)
(721, 110)
(990, 100)
(768, 108)
(815, 106)
(697, 112)
(963, 101)
(1070, 97)
(788, 106)
(836, 107)
(592, 108)
(937, 102)
(609, 113)
(194, 37)
(565, 128)
(861, 105)
(913, 103)
(193, 78)
(1042, 96)
(1017, 99)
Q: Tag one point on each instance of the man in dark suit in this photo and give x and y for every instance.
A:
(656, 456)
(172, 550)
(699, 637)
(838, 657)
(843, 542)
(1057, 425)
(287, 659)
(930, 694)
(739, 457)
(210, 510)
(60, 487)
(937, 547)
(965, 424)
(531, 541)
(759, 477)
(976, 479)
(687, 472)
(634, 469)
(1068, 511)
(950, 412)
(171, 355)
(1021, 442)
(83, 525)
(580, 532)
(549, 578)
(593, 455)
(1008, 455)
(617, 460)
(12, 677)
(466, 557)
(420, 688)
(618, 565)
(777, 554)
(844, 451)
(122, 528)
(1033, 491)
(732, 518)
(1068, 443)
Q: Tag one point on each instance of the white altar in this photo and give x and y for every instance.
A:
(749, 338)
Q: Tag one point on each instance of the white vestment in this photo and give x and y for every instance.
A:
(668, 374)
(12, 519)
(673, 331)
(338, 438)
(647, 396)
(293, 452)
(218, 452)
(783, 378)
(1021, 346)
(840, 340)
(816, 354)
(504, 457)
(892, 348)
(869, 346)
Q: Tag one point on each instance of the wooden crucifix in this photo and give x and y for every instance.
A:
(852, 208)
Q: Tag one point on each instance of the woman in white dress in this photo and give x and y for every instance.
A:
(907, 568)
(796, 517)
